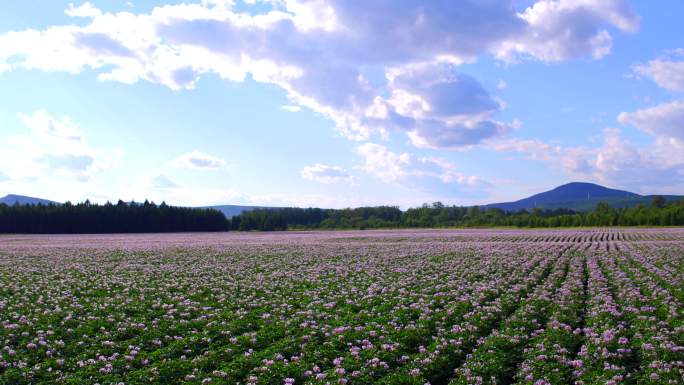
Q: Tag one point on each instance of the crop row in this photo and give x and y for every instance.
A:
(530, 308)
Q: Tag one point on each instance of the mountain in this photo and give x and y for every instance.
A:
(233, 210)
(579, 196)
(11, 199)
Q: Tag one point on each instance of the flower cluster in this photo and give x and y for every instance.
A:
(380, 307)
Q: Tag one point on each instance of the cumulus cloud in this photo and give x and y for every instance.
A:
(84, 10)
(379, 161)
(441, 108)
(52, 147)
(46, 127)
(616, 161)
(564, 29)
(326, 174)
(663, 161)
(199, 161)
(663, 121)
(53, 156)
(620, 161)
(423, 173)
(382, 68)
(667, 72)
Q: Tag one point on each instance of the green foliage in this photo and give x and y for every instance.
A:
(440, 215)
(149, 217)
(299, 218)
(109, 218)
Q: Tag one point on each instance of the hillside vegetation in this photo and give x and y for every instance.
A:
(148, 217)
(658, 213)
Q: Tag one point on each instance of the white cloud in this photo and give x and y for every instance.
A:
(326, 174)
(616, 161)
(667, 72)
(422, 173)
(665, 120)
(52, 158)
(199, 161)
(84, 10)
(564, 29)
(291, 108)
(455, 135)
(51, 148)
(383, 163)
(620, 161)
(45, 126)
(440, 108)
(323, 53)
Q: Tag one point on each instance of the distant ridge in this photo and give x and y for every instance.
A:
(234, 210)
(228, 210)
(576, 196)
(13, 199)
(579, 196)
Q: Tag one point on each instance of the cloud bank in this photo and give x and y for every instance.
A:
(616, 161)
(667, 72)
(374, 70)
(430, 174)
(52, 147)
(326, 174)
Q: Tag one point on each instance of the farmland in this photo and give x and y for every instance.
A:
(600, 306)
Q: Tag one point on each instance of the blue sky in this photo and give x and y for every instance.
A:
(324, 103)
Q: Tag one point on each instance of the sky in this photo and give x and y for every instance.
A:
(332, 104)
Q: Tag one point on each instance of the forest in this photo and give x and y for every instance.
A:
(122, 217)
(659, 213)
(149, 217)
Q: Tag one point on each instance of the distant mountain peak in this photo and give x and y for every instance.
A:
(580, 190)
(578, 196)
(11, 199)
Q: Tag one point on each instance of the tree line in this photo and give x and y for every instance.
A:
(122, 217)
(659, 213)
(293, 218)
(149, 217)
